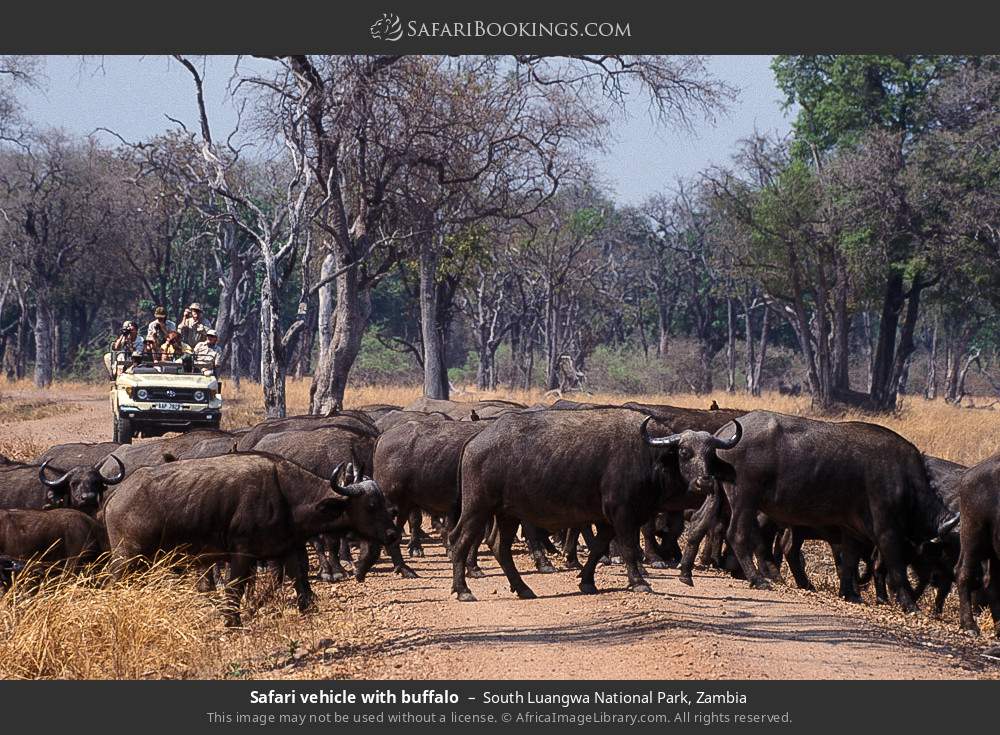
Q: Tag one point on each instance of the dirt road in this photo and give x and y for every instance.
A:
(718, 629)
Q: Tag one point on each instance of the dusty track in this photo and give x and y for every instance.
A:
(718, 629)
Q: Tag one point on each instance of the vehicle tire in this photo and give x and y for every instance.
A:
(123, 431)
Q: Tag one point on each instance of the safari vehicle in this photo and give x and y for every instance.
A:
(153, 398)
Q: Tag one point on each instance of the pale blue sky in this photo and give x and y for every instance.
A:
(132, 95)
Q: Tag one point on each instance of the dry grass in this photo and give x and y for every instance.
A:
(153, 623)
(12, 411)
(19, 449)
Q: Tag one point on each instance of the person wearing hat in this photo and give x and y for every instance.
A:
(128, 340)
(193, 327)
(160, 327)
(207, 353)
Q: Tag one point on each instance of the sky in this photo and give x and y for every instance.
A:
(132, 95)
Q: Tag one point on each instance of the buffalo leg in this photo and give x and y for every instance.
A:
(570, 544)
(598, 546)
(993, 593)
(534, 539)
(969, 577)
(297, 567)
(652, 548)
(241, 567)
(468, 531)
(890, 551)
(791, 548)
(697, 528)
(415, 547)
(847, 556)
(505, 531)
(399, 566)
(370, 551)
(742, 536)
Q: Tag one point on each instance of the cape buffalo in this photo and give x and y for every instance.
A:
(240, 508)
(462, 409)
(39, 487)
(979, 502)
(158, 451)
(861, 479)
(559, 469)
(348, 420)
(61, 535)
(77, 453)
(393, 418)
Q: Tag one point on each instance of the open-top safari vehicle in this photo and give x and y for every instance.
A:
(153, 397)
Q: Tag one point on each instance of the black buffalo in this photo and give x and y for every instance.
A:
(861, 480)
(979, 502)
(559, 469)
(38, 487)
(240, 508)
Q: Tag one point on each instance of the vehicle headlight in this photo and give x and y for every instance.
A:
(199, 395)
(142, 394)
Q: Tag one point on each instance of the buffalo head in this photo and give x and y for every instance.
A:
(696, 453)
(78, 487)
(366, 508)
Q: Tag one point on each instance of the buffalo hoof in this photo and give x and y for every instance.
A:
(686, 579)
(233, 621)
(659, 564)
(406, 573)
(466, 597)
(416, 551)
(588, 588)
(475, 573)
(309, 607)
(854, 599)
(640, 587)
(525, 593)
(574, 565)
(546, 568)
(334, 577)
(760, 584)
(360, 577)
(605, 561)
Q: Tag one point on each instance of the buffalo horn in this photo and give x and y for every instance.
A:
(732, 442)
(665, 441)
(347, 491)
(120, 475)
(51, 483)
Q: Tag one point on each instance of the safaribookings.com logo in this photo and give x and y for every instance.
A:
(390, 28)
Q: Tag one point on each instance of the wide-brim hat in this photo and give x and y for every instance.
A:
(211, 333)
(159, 311)
(195, 306)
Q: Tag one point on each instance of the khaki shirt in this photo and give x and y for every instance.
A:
(159, 333)
(206, 355)
(193, 332)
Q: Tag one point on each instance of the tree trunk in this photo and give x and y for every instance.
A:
(882, 394)
(325, 316)
(930, 389)
(435, 370)
(43, 331)
(272, 358)
(731, 347)
(350, 319)
(841, 334)
(758, 368)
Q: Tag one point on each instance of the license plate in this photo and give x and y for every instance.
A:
(166, 406)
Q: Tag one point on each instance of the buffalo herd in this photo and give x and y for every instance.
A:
(649, 485)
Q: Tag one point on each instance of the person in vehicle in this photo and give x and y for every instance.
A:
(127, 341)
(174, 348)
(151, 348)
(193, 326)
(207, 354)
(160, 327)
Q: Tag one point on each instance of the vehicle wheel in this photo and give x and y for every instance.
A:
(123, 431)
